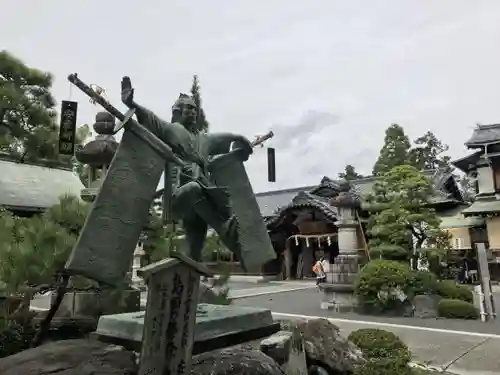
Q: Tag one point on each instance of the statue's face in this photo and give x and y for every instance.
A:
(188, 114)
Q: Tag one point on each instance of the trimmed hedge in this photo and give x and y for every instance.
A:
(457, 309)
(386, 354)
(423, 282)
(380, 275)
(451, 290)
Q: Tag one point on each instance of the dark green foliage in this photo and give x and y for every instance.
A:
(382, 275)
(394, 152)
(399, 207)
(25, 93)
(390, 252)
(29, 109)
(387, 275)
(385, 352)
(350, 173)
(35, 250)
(457, 309)
(201, 122)
(423, 282)
(451, 290)
(14, 337)
(70, 213)
(428, 153)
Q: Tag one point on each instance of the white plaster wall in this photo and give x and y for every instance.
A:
(485, 180)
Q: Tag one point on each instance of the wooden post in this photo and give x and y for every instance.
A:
(484, 273)
(288, 260)
(170, 318)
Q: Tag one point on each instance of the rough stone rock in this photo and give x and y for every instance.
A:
(71, 357)
(207, 295)
(235, 361)
(325, 345)
(287, 350)
(425, 306)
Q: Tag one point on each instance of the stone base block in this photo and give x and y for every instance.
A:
(338, 297)
(345, 269)
(91, 304)
(218, 327)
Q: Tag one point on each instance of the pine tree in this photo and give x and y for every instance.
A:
(350, 173)
(28, 109)
(428, 153)
(400, 209)
(201, 121)
(394, 152)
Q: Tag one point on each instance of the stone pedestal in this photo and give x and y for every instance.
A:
(219, 326)
(338, 290)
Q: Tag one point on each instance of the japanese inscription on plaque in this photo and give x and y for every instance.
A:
(67, 127)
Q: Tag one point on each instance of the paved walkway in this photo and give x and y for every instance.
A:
(457, 352)
(461, 347)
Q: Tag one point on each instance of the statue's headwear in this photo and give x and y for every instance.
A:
(183, 100)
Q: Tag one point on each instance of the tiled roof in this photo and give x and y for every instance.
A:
(484, 134)
(269, 202)
(25, 186)
(481, 206)
(307, 200)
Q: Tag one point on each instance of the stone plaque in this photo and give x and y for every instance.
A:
(169, 321)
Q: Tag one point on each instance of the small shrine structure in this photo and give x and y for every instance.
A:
(323, 220)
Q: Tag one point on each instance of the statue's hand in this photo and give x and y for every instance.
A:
(127, 92)
(244, 145)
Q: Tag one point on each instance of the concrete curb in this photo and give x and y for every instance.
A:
(258, 279)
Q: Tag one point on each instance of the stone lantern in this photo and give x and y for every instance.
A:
(339, 287)
(98, 154)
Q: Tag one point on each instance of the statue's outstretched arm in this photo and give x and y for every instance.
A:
(220, 143)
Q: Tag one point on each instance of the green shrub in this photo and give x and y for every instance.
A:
(423, 282)
(386, 354)
(382, 367)
(377, 343)
(382, 275)
(14, 337)
(457, 309)
(451, 290)
(390, 252)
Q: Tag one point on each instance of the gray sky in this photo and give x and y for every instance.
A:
(326, 76)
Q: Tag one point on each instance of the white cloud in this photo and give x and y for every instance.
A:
(358, 65)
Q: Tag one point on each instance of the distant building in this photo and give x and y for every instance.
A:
(327, 218)
(483, 165)
(27, 189)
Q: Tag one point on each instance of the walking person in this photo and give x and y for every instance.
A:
(320, 271)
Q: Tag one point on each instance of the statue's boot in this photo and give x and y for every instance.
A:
(226, 228)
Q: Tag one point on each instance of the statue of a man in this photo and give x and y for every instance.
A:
(197, 201)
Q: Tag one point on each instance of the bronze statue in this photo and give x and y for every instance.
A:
(212, 189)
(197, 200)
